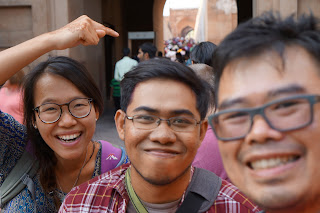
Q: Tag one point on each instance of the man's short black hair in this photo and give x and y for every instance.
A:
(126, 51)
(149, 48)
(202, 53)
(160, 68)
(268, 32)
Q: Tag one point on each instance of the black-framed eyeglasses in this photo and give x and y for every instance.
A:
(51, 112)
(178, 124)
(285, 114)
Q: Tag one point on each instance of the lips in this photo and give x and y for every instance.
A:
(273, 162)
(69, 138)
(162, 152)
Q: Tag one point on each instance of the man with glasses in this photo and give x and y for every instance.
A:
(268, 111)
(161, 121)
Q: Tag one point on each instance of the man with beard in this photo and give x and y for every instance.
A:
(162, 122)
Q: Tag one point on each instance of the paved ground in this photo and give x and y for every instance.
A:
(106, 129)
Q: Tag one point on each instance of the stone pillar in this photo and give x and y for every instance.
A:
(287, 7)
(305, 6)
(158, 6)
(222, 19)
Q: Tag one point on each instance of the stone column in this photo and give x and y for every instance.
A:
(158, 6)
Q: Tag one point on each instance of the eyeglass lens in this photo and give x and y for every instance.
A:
(148, 122)
(51, 112)
(283, 116)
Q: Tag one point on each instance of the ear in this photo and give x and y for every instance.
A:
(146, 56)
(119, 119)
(34, 123)
(203, 130)
(96, 110)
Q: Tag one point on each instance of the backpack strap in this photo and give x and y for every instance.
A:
(111, 156)
(19, 178)
(201, 192)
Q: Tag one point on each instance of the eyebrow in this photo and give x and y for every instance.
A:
(174, 112)
(290, 89)
(51, 100)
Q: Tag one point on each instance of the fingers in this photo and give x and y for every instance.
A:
(94, 31)
(107, 31)
(83, 31)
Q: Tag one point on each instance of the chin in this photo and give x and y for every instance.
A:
(276, 202)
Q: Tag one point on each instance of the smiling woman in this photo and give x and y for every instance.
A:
(61, 106)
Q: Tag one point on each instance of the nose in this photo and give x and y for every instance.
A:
(163, 133)
(66, 119)
(261, 132)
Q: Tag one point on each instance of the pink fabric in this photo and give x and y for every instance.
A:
(11, 103)
(208, 156)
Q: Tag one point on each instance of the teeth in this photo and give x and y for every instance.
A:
(272, 162)
(69, 137)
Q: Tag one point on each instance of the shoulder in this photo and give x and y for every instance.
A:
(230, 197)
(98, 189)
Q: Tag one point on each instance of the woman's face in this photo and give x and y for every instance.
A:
(69, 136)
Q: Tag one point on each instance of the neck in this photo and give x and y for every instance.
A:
(70, 173)
(158, 194)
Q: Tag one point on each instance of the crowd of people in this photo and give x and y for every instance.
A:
(235, 130)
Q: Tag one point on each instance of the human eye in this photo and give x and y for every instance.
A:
(289, 107)
(234, 117)
(49, 108)
(182, 121)
(79, 103)
(145, 118)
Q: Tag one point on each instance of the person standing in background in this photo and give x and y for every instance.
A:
(124, 65)
(11, 96)
(146, 51)
(208, 155)
(115, 93)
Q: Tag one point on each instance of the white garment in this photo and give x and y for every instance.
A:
(123, 66)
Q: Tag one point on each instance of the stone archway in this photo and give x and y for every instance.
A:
(185, 31)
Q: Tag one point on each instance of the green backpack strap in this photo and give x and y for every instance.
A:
(19, 178)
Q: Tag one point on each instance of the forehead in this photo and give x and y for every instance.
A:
(164, 96)
(255, 78)
(51, 87)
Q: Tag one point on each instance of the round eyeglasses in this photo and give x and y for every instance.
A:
(285, 114)
(51, 112)
(178, 124)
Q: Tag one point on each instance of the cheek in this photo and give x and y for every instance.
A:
(229, 153)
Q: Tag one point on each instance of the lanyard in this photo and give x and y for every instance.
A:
(138, 205)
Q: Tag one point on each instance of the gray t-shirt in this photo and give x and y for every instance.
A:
(156, 208)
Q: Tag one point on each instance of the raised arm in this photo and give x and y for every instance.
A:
(83, 31)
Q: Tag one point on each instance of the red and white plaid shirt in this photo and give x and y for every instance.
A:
(107, 193)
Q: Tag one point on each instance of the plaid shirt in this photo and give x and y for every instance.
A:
(107, 193)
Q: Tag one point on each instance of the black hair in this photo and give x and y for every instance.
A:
(268, 32)
(149, 48)
(126, 51)
(77, 74)
(160, 68)
(203, 52)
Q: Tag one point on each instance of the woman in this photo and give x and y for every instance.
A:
(61, 106)
(11, 96)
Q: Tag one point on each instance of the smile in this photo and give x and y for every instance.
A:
(272, 162)
(162, 153)
(69, 138)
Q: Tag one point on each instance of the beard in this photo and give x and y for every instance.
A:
(162, 179)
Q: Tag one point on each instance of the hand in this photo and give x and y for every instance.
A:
(83, 31)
